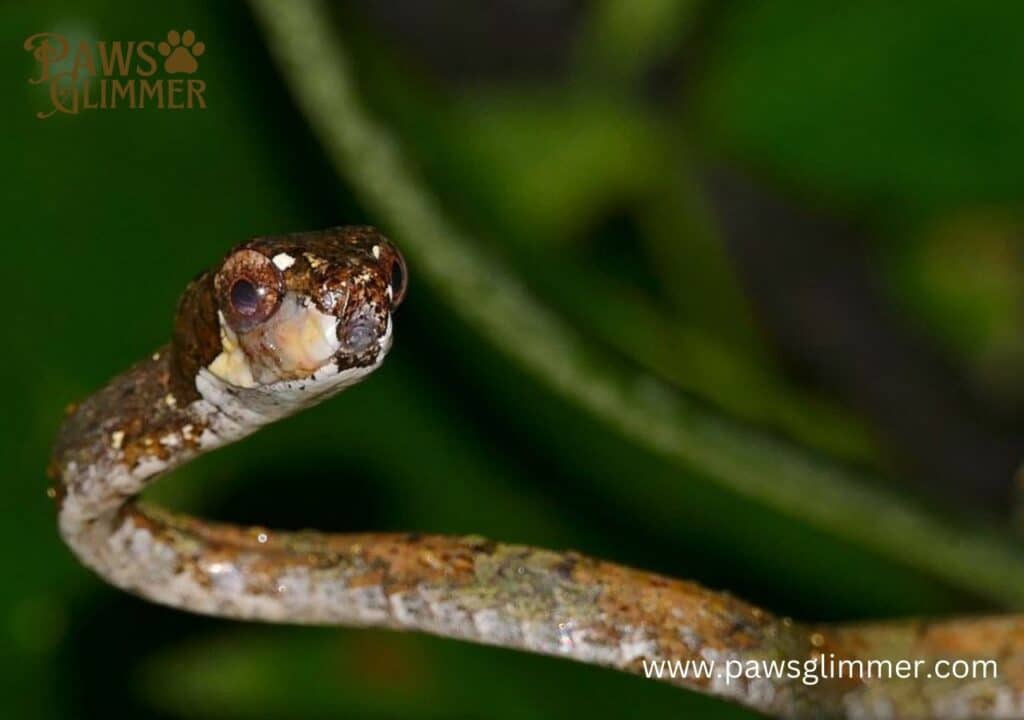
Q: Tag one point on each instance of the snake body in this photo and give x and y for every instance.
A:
(285, 322)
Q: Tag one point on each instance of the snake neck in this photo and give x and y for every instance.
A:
(142, 424)
(150, 420)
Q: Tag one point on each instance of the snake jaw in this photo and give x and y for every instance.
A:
(297, 342)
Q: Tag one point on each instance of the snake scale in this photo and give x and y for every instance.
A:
(285, 322)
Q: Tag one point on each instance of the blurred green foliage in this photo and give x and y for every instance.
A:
(909, 115)
(898, 107)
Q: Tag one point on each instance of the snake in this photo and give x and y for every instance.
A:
(284, 322)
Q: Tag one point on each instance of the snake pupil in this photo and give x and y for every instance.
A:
(245, 297)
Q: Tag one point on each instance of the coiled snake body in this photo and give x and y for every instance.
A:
(285, 322)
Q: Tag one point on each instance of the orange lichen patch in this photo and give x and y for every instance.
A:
(676, 613)
(370, 578)
(411, 560)
(972, 637)
(142, 448)
(428, 558)
(142, 516)
(138, 441)
(983, 637)
(396, 561)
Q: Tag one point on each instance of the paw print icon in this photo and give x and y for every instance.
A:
(180, 52)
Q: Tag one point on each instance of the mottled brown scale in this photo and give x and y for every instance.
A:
(127, 418)
(196, 336)
(560, 603)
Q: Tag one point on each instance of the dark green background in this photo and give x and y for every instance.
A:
(579, 144)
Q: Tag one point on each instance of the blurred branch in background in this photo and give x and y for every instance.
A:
(870, 195)
(702, 339)
(811, 279)
(480, 290)
(571, 181)
(962, 274)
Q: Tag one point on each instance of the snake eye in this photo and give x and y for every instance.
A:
(249, 289)
(246, 297)
(398, 280)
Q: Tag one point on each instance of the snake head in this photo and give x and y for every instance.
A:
(292, 307)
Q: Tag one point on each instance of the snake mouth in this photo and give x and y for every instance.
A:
(300, 341)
